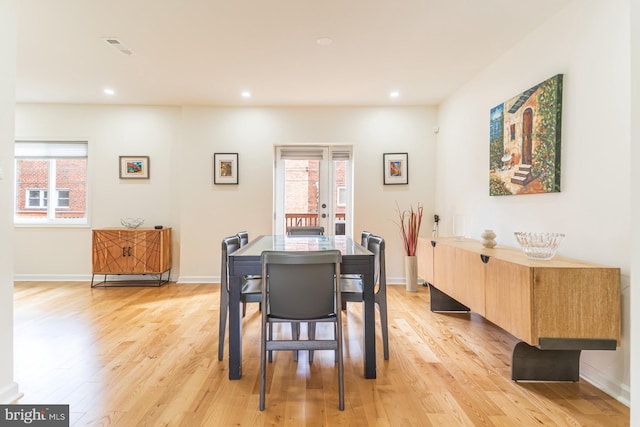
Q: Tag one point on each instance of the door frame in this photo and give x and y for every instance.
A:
(327, 184)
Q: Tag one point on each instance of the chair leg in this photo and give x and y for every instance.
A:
(263, 363)
(222, 323)
(270, 353)
(385, 329)
(295, 335)
(312, 336)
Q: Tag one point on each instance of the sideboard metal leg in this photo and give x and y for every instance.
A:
(443, 302)
(530, 363)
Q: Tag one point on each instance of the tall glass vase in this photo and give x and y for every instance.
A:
(411, 273)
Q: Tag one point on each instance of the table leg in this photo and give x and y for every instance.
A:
(369, 324)
(235, 329)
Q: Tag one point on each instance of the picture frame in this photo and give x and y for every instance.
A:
(134, 167)
(396, 168)
(525, 141)
(225, 168)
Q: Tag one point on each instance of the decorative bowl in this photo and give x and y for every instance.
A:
(541, 246)
(131, 222)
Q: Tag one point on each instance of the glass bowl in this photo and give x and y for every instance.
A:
(541, 246)
(131, 222)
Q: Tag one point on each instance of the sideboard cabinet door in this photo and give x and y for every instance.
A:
(131, 251)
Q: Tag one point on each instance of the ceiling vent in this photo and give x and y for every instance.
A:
(117, 44)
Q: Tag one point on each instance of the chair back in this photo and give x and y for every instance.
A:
(364, 238)
(229, 246)
(244, 237)
(300, 285)
(306, 231)
(376, 245)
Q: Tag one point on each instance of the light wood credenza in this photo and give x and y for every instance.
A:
(556, 308)
(131, 251)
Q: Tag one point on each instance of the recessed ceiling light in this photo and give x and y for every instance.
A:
(109, 91)
(246, 94)
(394, 94)
(324, 41)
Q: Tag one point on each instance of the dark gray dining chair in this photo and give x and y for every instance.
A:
(364, 239)
(353, 287)
(244, 237)
(315, 230)
(251, 288)
(301, 287)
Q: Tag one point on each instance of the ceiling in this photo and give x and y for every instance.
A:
(206, 52)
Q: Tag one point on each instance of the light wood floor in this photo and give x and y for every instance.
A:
(148, 356)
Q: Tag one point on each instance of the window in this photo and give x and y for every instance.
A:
(51, 182)
(37, 198)
(342, 196)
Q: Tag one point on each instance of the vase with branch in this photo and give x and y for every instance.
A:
(410, 222)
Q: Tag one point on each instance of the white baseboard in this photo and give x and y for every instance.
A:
(198, 279)
(9, 393)
(52, 277)
(620, 392)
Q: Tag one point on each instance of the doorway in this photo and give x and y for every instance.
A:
(313, 186)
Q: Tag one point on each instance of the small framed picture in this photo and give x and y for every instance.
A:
(134, 167)
(225, 168)
(396, 168)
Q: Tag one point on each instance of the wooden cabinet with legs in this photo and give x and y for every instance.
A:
(124, 251)
(556, 307)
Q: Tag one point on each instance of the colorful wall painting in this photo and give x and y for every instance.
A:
(525, 141)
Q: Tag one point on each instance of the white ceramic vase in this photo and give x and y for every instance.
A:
(488, 238)
(411, 273)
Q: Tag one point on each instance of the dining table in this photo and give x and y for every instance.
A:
(356, 259)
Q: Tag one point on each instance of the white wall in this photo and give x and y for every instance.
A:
(588, 42)
(180, 193)
(8, 388)
(210, 212)
(111, 131)
(635, 208)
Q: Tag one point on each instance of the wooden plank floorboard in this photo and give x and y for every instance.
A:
(148, 357)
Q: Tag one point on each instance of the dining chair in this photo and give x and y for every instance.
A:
(301, 287)
(251, 288)
(315, 230)
(244, 237)
(353, 287)
(364, 238)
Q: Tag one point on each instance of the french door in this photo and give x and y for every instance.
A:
(313, 187)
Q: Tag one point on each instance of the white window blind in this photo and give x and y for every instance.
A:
(49, 150)
(301, 153)
(312, 153)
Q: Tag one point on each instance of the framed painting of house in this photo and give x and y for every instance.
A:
(524, 147)
(225, 168)
(134, 167)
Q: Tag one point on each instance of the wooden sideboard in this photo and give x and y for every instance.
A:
(127, 251)
(556, 308)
